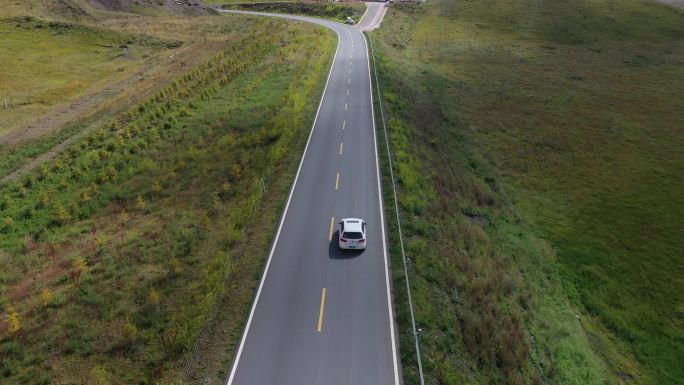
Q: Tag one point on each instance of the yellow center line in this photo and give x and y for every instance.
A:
(341, 147)
(344, 124)
(337, 181)
(332, 222)
(320, 313)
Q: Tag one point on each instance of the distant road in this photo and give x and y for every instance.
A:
(373, 16)
(323, 317)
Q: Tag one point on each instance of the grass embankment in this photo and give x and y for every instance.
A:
(46, 63)
(114, 254)
(333, 11)
(65, 122)
(514, 122)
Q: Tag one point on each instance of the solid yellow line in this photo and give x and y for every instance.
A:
(332, 221)
(344, 124)
(320, 314)
(337, 181)
(341, 147)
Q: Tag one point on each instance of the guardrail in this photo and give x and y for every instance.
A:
(396, 209)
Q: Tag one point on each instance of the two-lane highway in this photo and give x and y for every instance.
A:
(322, 316)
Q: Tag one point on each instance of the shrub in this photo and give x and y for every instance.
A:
(46, 296)
(13, 320)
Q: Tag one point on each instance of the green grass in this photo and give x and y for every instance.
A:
(333, 11)
(135, 230)
(47, 63)
(13, 157)
(553, 135)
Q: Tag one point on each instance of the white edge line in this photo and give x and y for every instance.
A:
(282, 220)
(382, 222)
(364, 15)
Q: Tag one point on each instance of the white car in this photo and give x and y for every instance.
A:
(352, 233)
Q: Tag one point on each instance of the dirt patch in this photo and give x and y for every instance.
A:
(112, 5)
(66, 8)
(52, 272)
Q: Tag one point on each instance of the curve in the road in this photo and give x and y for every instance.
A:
(321, 316)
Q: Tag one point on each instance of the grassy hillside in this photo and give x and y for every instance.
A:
(115, 255)
(538, 148)
(334, 11)
(47, 63)
(80, 74)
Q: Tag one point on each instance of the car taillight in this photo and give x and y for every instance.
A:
(343, 240)
(362, 240)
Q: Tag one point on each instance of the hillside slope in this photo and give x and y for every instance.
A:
(538, 154)
(87, 9)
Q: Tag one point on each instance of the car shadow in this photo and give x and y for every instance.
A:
(334, 251)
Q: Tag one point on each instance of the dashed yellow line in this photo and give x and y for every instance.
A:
(320, 312)
(332, 222)
(337, 181)
(341, 147)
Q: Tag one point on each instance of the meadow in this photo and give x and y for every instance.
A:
(46, 63)
(538, 154)
(117, 254)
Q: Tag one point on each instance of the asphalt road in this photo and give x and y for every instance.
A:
(373, 16)
(322, 316)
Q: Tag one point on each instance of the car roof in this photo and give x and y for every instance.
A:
(352, 224)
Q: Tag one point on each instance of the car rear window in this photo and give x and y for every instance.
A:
(352, 235)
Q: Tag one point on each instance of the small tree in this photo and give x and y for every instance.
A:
(13, 320)
(140, 203)
(9, 223)
(129, 331)
(154, 298)
(123, 218)
(79, 267)
(99, 376)
(236, 172)
(85, 196)
(156, 187)
(62, 214)
(46, 296)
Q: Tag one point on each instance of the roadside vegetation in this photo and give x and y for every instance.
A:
(333, 11)
(116, 254)
(537, 150)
